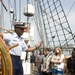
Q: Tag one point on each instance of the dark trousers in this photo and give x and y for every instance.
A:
(39, 70)
(17, 65)
(44, 73)
(49, 73)
(71, 73)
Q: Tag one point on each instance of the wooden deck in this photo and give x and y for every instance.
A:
(34, 71)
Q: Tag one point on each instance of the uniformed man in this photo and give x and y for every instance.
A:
(13, 38)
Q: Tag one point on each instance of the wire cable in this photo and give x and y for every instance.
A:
(71, 8)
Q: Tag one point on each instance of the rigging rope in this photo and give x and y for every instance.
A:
(19, 10)
(3, 5)
(15, 12)
(10, 3)
(71, 8)
(37, 21)
(9, 11)
(63, 21)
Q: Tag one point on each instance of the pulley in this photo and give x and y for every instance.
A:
(29, 10)
(11, 10)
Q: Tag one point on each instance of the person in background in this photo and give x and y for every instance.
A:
(46, 65)
(32, 60)
(57, 62)
(39, 59)
(15, 53)
(71, 63)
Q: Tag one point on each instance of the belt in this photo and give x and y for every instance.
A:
(15, 55)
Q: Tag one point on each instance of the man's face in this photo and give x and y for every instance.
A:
(19, 31)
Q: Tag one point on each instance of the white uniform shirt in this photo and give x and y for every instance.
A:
(13, 38)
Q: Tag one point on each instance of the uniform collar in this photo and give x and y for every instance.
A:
(15, 35)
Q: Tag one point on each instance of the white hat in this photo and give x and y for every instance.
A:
(19, 24)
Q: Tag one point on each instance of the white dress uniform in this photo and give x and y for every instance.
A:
(13, 38)
(15, 53)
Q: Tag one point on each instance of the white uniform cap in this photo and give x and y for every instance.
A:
(19, 24)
